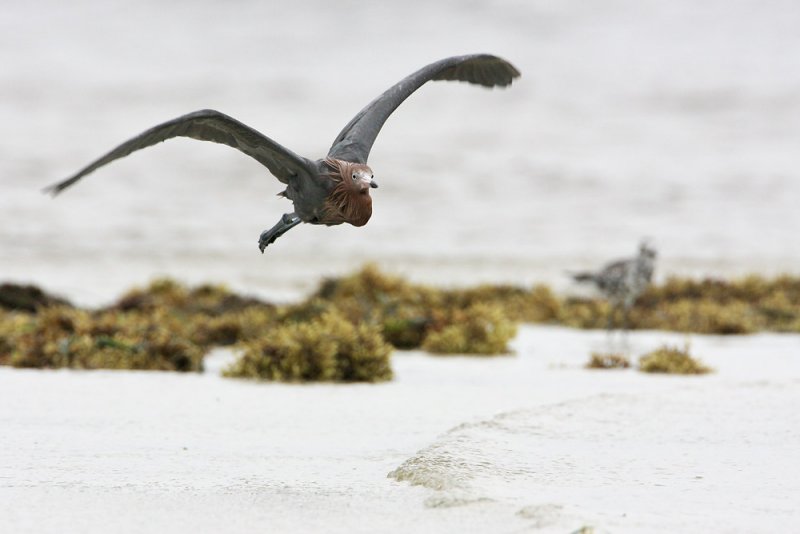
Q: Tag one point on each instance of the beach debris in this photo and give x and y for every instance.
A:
(68, 337)
(479, 329)
(705, 306)
(608, 360)
(327, 348)
(167, 325)
(26, 297)
(672, 360)
(411, 316)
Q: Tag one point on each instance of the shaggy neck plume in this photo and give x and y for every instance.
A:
(349, 201)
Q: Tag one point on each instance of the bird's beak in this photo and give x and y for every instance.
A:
(373, 185)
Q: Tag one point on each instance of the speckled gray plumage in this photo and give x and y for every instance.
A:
(623, 281)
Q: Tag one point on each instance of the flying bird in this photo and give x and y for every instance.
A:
(331, 190)
(622, 281)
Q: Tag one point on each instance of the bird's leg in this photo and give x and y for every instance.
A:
(625, 311)
(630, 300)
(611, 317)
(287, 222)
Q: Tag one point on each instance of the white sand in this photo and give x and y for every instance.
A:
(506, 444)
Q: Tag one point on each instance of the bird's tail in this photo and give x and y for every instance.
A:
(582, 277)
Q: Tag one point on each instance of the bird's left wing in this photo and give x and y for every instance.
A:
(206, 125)
(355, 141)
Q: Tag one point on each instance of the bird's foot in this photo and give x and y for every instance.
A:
(287, 222)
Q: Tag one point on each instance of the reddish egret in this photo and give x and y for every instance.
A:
(623, 281)
(331, 190)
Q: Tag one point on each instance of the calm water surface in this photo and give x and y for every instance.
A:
(675, 121)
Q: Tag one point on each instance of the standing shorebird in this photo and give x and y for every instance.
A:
(621, 282)
(331, 190)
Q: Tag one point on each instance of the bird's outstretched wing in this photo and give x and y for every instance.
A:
(206, 125)
(355, 141)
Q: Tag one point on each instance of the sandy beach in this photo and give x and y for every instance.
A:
(526, 443)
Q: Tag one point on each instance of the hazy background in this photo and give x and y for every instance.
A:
(677, 120)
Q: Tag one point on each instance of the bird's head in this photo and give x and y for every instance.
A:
(361, 178)
(349, 200)
(352, 177)
(647, 250)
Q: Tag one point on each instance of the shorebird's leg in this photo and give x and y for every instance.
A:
(287, 222)
(610, 322)
(627, 304)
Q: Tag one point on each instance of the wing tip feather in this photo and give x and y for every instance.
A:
(486, 70)
(56, 188)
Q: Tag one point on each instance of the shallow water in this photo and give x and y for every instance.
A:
(675, 121)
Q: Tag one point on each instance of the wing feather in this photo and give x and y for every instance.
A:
(355, 141)
(205, 125)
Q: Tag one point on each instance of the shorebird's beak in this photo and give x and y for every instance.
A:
(372, 184)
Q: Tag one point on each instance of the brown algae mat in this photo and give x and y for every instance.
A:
(607, 360)
(672, 360)
(666, 359)
(346, 329)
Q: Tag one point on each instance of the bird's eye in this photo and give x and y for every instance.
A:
(354, 176)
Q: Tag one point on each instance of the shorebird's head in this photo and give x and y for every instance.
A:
(646, 250)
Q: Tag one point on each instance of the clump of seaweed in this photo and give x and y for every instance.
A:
(608, 360)
(210, 315)
(206, 299)
(707, 306)
(27, 298)
(326, 348)
(232, 327)
(68, 337)
(672, 360)
(372, 295)
(12, 324)
(701, 316)
(537, 305)
(712, 306)
(584, 313)
(466, 321)
(167, 325)
(405, 332)
(479, 329)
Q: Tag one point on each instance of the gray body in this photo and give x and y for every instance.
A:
(623, 281)
(308, 182)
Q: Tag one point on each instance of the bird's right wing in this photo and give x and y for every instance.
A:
(206, 125)
(355, 141)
